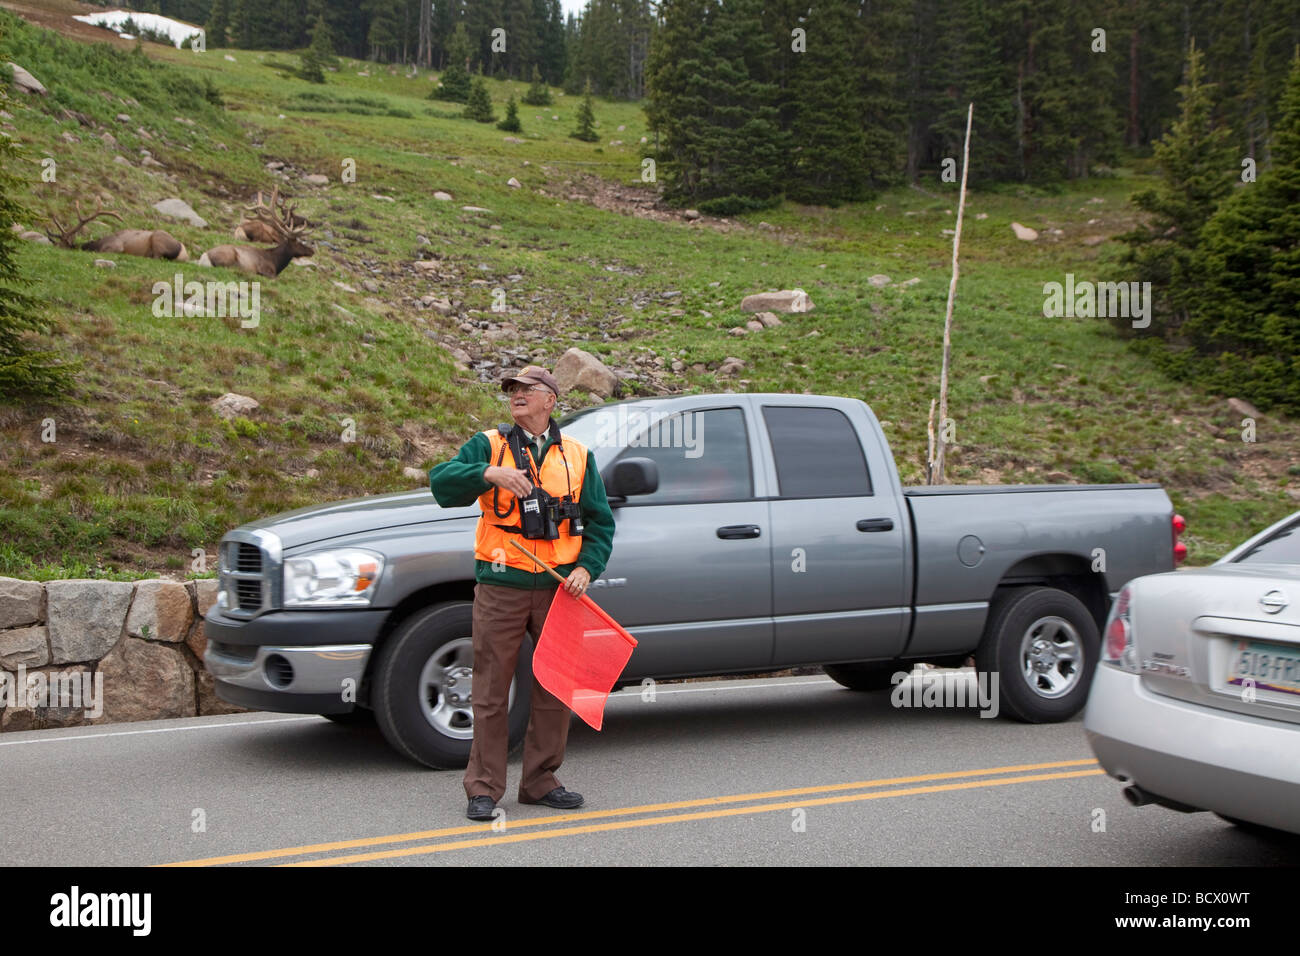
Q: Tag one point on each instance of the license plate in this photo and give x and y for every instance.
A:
(1270, 666)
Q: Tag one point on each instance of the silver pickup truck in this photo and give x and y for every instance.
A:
(753, 532)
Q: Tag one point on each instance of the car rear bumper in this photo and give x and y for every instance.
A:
(1236, 765)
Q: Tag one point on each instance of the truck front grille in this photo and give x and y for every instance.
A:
(248, 557)
(250, 566)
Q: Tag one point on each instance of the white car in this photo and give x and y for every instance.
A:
(1195, 704)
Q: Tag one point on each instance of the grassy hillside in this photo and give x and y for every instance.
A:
(143, 471)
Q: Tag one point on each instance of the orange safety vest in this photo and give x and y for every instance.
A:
(561, 474)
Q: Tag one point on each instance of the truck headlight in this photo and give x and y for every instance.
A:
(343, 578)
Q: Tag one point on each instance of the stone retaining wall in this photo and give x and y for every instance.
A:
(97, 652)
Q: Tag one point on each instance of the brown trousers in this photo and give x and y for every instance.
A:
(501, 616)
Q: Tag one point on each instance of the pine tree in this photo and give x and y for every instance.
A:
(538, 94)
(1197, 165)
(479, 106)
(322, 43)
(24, 370)
(455, 81)
(218, 25)
(1244, 324)
(309, 67)
(586, 130)
(511, 123)
(830, 148)
(713, 102)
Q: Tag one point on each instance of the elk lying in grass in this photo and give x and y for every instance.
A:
(148, 243)
(266, 262)
(256, 230)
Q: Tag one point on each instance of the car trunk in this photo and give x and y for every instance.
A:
(1231, 640)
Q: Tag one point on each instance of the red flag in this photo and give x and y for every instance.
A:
(580, 654)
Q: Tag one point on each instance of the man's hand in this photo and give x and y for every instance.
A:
(577, 581)
(513, 480)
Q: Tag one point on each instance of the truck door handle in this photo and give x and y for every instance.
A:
(876, 524)
(739, 531)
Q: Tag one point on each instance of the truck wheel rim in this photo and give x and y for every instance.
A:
(446, 689)
(1051, 657)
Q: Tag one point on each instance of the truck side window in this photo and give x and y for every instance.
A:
(702, 456)
(817, 452)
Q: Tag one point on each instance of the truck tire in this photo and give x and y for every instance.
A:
(422, 683)
(863, 677)
(1042, 644)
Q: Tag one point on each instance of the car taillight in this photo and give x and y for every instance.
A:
(1119, 649)
(1179, 524)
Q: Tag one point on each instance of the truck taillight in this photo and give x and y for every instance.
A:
(1179, 525)
(1119, 649)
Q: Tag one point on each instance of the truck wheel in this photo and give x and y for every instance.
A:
(423, 681)
(1042, 644)
(861, 676)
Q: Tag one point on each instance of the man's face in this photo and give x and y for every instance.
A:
(528, 403)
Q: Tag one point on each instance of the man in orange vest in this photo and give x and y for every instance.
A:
(568, 525)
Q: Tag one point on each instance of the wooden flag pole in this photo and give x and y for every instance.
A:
(550, 570)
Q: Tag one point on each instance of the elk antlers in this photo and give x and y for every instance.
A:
(65, 235)
(278, 216)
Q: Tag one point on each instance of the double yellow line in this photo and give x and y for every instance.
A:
(899, 787)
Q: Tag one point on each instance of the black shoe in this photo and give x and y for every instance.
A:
(559, 799)
(480, 808)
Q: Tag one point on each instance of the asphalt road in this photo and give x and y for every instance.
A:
(793, 771)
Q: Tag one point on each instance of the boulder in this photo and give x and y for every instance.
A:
(145, 681)
(205, 595)
(55, 685)
(1024, 232)
(690, 215)
(26, 82)
(32, 235)
(316, 179)
(24, 645)
(879, 280)
(21, 602)
(474, 209)
(161, 611)
(754, 325)
(232, 405)
(513, 183)
(178, 208)
(105, 264)
(85, 618)
(909, 282)
(579, 369)
(787, 300)
(442, 196)
(768, 319)
(731, 366)
(1093, 240)
(1242, 407)
(737, 331)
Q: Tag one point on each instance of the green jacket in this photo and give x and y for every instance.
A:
(459, 482)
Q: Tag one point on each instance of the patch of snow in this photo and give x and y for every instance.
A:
(178, 30)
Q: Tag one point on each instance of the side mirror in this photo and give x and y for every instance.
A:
(631, 476)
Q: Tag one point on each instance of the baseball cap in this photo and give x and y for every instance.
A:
(534, 375)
